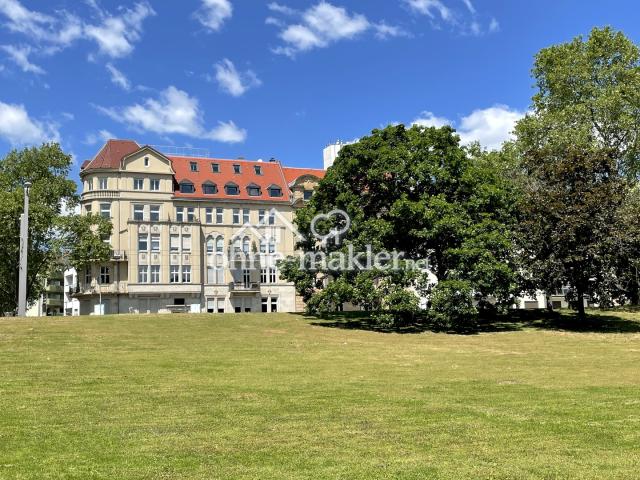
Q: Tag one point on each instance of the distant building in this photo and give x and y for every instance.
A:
(330, 152)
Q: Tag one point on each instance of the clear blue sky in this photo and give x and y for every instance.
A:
(256, 79)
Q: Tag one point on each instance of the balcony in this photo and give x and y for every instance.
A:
(118, 256)
(244, 287)
(100, 194)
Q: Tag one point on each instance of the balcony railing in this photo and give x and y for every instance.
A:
(100, 194)
(118, 255)
(244, 287)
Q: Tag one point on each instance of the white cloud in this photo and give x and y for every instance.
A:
(494, 26)
(283, 9)
(431, 8)
(119, 78)
(58, 30)
(213, 13)
(383, 30)
(469, 6)
(100, 136)
(490, 126)
(20, 56)
(428, 119)
(116, 34)
(233, 82)
(324, 24)
(174, 112)
(18, 128)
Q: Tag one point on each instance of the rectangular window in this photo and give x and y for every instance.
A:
(179, 214)
(208, 215)
(143, 242)
(272, 218)
(87, 209)
(191, 214)
(236, 168)
(257, 169)
(261, 216)
(236, 216)
(186, 274)
(186, 243)
(215, 275)
(154, 185)
(272, 275)
(146, 161)
(143, 273)
(103, 183)
(308, 194)
(87, 276)
(138, 213)
(155, 273)
(263, 275)
(193, 166)
(105, 210)
(138, 183)
(174, 242)
(245, 215)
(154, 213)
(219, 218)
(265, 305)
(174, 274)
(215, 167)
(105, 275)
(90, 185)
(274, 304)
(155, 242)
(272, 246)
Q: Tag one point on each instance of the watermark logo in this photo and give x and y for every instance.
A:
(338, 216)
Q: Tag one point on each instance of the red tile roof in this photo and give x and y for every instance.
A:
(293, 173)
(271, 175)
(111, 153)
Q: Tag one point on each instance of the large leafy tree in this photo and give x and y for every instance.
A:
(580, 149)
(52, 194)
(416, 191)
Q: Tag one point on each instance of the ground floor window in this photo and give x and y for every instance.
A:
(265, 305)
(269, 304)
(215, 305)
(274, 304)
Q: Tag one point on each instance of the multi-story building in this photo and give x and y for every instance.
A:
(190, 233)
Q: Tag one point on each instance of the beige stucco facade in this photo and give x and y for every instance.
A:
(218, 255)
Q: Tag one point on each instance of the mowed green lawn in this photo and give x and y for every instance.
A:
(281, 396)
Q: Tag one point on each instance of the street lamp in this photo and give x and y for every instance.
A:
(24, 247)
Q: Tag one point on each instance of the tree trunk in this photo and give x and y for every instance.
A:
(581, 313)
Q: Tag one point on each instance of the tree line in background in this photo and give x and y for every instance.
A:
(559, 206)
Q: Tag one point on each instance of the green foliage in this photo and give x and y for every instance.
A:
(82, 239)
(47, 168)
(416, 191)
(578, 148)
(452, 305)
(52, 235)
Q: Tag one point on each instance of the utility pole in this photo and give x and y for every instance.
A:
(24, 247)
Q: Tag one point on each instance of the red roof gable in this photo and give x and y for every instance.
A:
(271, 174)
(111, 153)
(293, 173)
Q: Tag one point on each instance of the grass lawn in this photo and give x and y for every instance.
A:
(282, 396)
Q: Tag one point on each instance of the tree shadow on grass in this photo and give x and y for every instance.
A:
(515, 321)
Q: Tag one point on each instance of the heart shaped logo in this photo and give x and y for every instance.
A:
(335, 232)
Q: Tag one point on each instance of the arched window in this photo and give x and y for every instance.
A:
(246, 245)
(209, 188)
(275, 191)
(254, 190)
(219, 244)
(187, 187)
(232, 189)
(210, 245)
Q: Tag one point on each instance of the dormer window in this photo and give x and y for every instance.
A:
(209, 188)
(215, 167)
(187, 187)
(254, 190)
(258, 169)
(232, 189)
(193, 166)
(308, 194)
(275, 191)
(236, 168)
